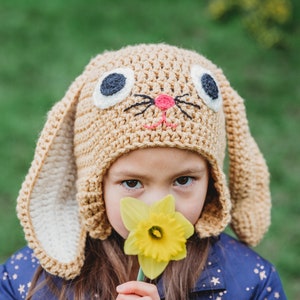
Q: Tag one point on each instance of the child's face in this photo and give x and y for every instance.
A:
(150, 174)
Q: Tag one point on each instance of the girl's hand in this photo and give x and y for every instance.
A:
(137, 290)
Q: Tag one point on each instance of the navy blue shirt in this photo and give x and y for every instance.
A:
(233, 272)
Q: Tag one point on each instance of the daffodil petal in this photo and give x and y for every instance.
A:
(165, 205)
(130, 245)
(185, 224)
(133, 211)
(151, 267)
(181, 255)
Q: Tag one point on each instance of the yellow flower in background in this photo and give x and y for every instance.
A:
(265, 19)
(157, 233)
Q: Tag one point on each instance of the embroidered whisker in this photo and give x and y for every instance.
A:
(188, 103)
(184, 95)
(184, 112)
(144, 96)
(138, 104)
(140, 113)
(177, 100)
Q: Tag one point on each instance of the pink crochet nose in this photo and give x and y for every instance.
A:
(164, 102)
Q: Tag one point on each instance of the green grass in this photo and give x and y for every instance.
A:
(46, 44)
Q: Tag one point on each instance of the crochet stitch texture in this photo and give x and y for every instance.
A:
(139, 97)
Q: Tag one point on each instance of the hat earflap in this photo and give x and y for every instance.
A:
(248, 174)
(47, 206)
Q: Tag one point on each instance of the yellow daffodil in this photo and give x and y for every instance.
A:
(157, 233)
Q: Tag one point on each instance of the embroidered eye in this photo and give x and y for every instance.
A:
(206, 87)
(113, 87)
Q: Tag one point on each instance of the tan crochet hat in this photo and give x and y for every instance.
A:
(140, 96)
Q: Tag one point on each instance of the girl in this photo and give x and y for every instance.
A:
(144, 121)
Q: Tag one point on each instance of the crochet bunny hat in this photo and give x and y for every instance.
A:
(140, 96)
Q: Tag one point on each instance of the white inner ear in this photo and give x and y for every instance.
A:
(53, 207)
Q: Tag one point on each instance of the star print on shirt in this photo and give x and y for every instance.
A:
(21, 288)
(215, 280)
(276, 295)
(262, 275)
(19, 256)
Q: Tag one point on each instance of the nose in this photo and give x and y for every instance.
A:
(164, 102)
(155, 195)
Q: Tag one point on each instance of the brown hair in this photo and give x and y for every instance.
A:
(106, 266)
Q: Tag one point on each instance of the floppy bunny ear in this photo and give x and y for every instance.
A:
(47, 206)
(248, 174)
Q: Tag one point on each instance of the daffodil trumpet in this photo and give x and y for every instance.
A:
(157, 233)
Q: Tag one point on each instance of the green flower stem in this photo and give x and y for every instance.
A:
(141, 275)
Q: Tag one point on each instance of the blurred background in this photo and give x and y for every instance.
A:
(44, 45)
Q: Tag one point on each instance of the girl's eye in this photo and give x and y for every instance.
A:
(113, 87)
(132, 184)
(183, 181)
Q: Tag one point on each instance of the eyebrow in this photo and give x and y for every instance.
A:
(191, 171)
(137, 174)
(126, 173)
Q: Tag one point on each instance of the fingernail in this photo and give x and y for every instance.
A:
(119, 288)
